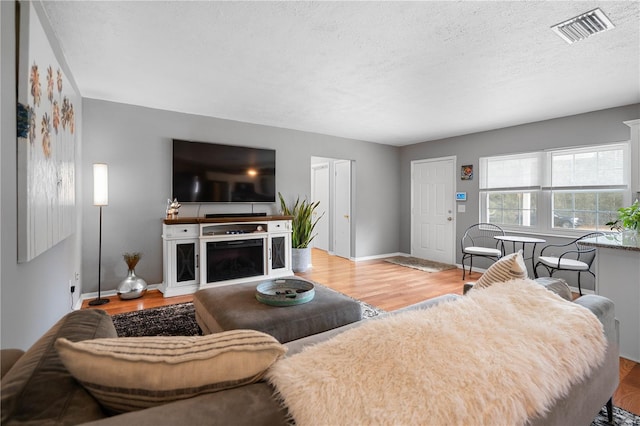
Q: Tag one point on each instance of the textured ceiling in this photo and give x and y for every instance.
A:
(387, 72)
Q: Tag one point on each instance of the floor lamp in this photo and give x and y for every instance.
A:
(100, 198)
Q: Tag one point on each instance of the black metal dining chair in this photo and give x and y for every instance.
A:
(568, 257)
(478, 240)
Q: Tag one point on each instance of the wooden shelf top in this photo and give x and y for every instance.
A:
(197, 220)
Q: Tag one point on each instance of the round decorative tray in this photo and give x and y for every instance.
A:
(285, 292)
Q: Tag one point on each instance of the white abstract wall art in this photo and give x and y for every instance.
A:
(47, 143)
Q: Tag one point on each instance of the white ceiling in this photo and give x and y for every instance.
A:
(389, 72)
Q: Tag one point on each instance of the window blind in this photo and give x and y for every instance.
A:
(511, 172)
(600, 167)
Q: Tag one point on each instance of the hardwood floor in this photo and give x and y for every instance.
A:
(389, 287)
(151, 299)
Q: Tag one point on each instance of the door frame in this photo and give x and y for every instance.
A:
(328, 209)
(331, 212)
(454, 210)
(349, 236)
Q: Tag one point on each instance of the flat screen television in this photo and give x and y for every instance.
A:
(216, 173)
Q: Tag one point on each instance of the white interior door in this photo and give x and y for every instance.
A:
(320, 192)
(432, 209)
(342, 220)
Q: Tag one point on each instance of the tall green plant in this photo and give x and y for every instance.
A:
(303, 223)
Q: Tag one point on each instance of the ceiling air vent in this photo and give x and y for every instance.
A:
(583, 26)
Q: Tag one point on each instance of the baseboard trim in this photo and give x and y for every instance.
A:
(379, 256)
(474, 269)
(108, 293)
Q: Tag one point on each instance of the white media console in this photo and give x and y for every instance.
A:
(201, 253)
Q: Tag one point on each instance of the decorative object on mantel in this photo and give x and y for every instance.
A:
(172, 208)
(133, 286)
(302, 225)
(100, 198)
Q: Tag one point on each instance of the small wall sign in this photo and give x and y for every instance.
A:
(461, 196)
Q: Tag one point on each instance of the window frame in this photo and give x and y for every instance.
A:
(545, 189)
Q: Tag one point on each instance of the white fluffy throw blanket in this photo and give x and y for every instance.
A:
(499, 355)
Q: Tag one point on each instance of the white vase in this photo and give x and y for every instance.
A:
(300, 259)
(132, 287)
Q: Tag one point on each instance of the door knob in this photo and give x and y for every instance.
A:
(449, 218)
(346, 216)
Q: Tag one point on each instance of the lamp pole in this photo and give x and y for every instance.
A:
(100, 198)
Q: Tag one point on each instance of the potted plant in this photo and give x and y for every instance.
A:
(302, 234)
(628, 218)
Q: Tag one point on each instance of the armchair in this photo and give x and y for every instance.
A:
(478, 240)
(568, 257)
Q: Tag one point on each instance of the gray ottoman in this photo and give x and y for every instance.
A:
(235, 306)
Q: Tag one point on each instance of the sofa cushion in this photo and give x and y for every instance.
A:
(133, 373)
(557, 286)
(553, 284)
(8, 357)
(509, 267)
(39, 389)
(250, 405)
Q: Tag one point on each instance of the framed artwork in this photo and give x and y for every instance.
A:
(46, 142)
(466, 172)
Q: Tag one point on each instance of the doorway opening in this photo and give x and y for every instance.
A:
(332, 185)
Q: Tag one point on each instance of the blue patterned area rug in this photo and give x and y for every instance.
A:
(620, 418)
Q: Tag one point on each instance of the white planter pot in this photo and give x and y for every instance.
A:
(300, 259)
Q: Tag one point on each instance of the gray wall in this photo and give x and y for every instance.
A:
(34, 294)
(584, 129)
(136, 143)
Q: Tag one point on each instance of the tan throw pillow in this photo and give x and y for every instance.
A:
(509, 267)
(133, 373)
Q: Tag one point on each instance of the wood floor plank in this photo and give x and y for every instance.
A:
(627, 395)
(389, 287)
(151, 299)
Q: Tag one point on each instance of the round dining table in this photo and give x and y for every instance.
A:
(514, 239)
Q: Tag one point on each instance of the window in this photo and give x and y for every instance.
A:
(512, 208)
(588, 186)
(577, 188)
(510, 185)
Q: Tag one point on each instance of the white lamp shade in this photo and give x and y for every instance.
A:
(100, 184)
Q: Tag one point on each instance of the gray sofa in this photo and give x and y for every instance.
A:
(37, 389)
